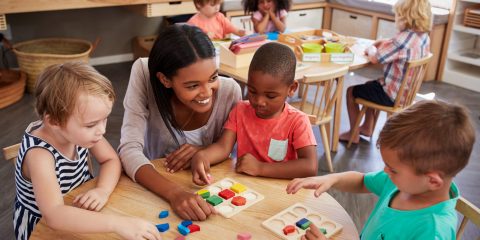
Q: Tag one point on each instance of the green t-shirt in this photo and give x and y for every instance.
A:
(437, 222)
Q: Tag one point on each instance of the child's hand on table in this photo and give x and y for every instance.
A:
(180, 158)
(320, 183)
(94, 199)
(136, 228)
(191, 206)
(248, 164)
(200, 170)
(313, 233)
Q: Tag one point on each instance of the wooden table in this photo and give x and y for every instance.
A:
(360, 61)
(131, 199)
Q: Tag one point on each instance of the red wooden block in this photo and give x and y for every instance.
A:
(288, 229)
(194, 228)
(239, 201)
(226, 194)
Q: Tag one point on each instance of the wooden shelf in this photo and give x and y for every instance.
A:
(462, 75)
(461, 28)
(469, 56)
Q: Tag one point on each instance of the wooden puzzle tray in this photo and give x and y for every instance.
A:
(297, 213)
(229, 197)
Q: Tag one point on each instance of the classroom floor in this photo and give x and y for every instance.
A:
(363, 157)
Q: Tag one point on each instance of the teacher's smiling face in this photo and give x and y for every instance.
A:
(195, 85)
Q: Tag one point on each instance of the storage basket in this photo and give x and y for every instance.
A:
(35, 55)
(12, 87)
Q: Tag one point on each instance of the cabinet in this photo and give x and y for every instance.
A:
(351, 24)
(386, 29)
(305, 18)
(462, 66)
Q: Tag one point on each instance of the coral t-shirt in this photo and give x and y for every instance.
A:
(270, 140)
(216, 27)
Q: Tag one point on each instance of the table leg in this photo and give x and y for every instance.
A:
(337, 113)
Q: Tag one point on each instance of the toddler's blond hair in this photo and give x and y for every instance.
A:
(58, 86)
(414, 14)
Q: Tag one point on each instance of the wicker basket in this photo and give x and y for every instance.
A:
(12, 87)
(34, 56)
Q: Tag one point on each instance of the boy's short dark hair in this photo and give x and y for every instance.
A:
(201, 3)
(275, 59)
(431, 136)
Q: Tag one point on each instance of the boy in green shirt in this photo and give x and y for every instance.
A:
(423, 148)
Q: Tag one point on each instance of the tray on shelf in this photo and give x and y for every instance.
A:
(472, 16)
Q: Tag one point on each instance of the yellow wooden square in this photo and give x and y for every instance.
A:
(238, 188)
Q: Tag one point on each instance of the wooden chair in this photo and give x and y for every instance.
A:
(326, 90)
(470, 213)
(406, 94)
(10, 153)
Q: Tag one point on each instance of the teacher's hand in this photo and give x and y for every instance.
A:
(191, 206)
(180, 158)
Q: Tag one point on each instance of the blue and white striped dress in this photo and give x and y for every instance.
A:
(70, 174)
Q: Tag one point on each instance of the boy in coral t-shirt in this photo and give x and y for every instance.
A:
(273, 138)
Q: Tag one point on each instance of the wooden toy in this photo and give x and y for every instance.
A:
(204, 193)
(163, 227)
(242, 198)
(193, 228)
(186, 223)
(180, 238)
(183, 230)
(239, 201)
(244, 236)
(163, 214)
(301, 216)
(226, 194)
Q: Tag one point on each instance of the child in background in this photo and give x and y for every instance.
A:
(73, 101)
(413, 19)
(268, 15)
(211, 21)
(423, 148)
(273, 138)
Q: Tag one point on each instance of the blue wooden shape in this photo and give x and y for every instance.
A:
(163, 214)
(183, 230)
(186, 223)
(163, 227)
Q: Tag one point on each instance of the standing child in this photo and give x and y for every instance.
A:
(273, 138)
(423, 148)
(211, 21)
(413, 19)
(73, 101)
(268, 15)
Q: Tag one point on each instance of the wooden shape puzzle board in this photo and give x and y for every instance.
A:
(294, 213)
(226, 208)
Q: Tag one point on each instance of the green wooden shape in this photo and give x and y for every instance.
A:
(214, 200)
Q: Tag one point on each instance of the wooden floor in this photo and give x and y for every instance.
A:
(364, 157)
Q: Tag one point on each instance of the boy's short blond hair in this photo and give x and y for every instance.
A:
(415, 14)
(201, 3)
(431, 136)
(58, 86)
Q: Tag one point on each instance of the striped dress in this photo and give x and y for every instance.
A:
(70, 174)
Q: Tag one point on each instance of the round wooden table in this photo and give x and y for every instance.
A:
(129, 198)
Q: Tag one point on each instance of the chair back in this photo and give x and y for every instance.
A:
(247, 24)
(10, 153)
(470, 213)
(320, 93)
(412, 80)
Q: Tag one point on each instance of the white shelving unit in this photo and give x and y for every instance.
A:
(462, 67)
